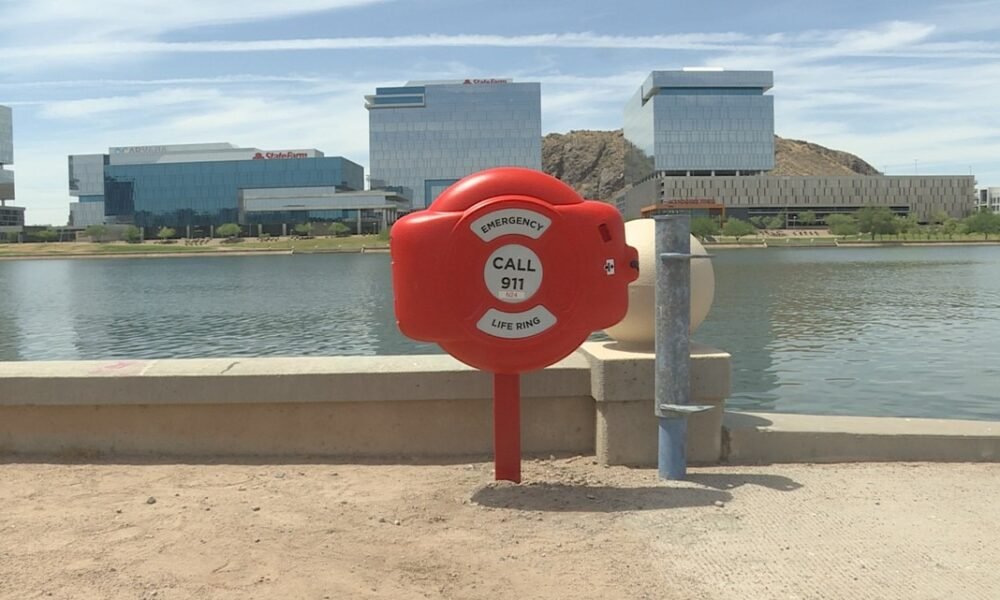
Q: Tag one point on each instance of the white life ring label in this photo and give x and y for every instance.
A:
(512, 326)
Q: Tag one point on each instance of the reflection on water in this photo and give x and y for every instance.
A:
(901, 331)
(887, 331)
(187, 307)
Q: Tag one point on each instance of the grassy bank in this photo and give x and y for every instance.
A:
(821, 240)
(250, 245)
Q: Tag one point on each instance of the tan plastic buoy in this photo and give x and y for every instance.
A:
(638, 326)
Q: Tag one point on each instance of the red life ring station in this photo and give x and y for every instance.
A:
(509, 271)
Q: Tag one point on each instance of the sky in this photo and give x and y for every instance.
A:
(910, 86)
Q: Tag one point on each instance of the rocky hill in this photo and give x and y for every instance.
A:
(796, 157)
(593, 162)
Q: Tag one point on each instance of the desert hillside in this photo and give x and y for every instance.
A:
(593, 162)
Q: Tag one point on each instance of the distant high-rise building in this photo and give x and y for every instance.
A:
(700, 122)
(701, 142)
(11, 217)
(424, 136)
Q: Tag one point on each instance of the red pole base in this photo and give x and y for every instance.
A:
(507, 427)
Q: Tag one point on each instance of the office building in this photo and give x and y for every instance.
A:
(86, 183)
(700, 122)
(424, 136)
(11, 217)
(988, 198)
(769, 196)
(206, 185)
(702, 142)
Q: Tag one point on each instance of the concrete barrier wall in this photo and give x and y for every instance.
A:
(350, 406)
(597, 401)
(423, 406)
(622, 386)
(758, 438)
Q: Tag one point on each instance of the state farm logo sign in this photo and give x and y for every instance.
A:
(270, 155)
(480, 81)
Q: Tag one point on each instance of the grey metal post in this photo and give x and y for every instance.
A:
(673, 352)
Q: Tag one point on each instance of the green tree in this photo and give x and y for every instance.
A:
(737, 228)
(938, 217)
(133, 235)
(759, 222)
(906, 224)
(338, 229)
(46, 235)
(165, 233)
(984, 222)
(807, 217)
(304, 228)
(950, 227)
(98, 233)
(842, 225)
(778, 221)
(229, 230)
(702, 227)
(875, 220)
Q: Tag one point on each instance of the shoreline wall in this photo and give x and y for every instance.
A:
(355, 407)
(428, 408)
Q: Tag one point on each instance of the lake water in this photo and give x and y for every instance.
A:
(886, 331)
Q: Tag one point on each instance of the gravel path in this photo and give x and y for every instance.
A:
(573, 530)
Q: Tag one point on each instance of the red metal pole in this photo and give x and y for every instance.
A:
(507, 427)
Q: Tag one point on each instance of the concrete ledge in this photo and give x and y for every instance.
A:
(340, 406)
(620, 373)
(271, 380)
(758, 438)
(622, 386)
(343, 406)
(434, 428)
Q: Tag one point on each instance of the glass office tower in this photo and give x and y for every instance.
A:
(425, 136)
(11, 217)
(6, 154)
(700, 122)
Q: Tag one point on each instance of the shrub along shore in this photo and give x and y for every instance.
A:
(868, 226)
(201, 246)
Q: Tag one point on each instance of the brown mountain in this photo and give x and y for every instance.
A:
(593, 161)
(796, 157)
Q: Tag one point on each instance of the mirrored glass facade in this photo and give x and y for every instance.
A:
(700, 123)
(86, 178)
(423, 138)
(6, 136)
(207, 193)
(6, 153)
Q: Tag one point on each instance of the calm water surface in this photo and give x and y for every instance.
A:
(887, 331)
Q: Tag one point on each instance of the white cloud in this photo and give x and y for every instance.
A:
(136, 19)
(117, 48)
(119, 83)
(90, 107)
(890, 92)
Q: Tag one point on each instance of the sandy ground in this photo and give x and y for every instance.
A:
(572, 530)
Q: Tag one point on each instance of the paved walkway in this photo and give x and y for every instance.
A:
(572, 530)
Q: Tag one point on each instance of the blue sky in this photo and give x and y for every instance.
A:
(909, 86)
